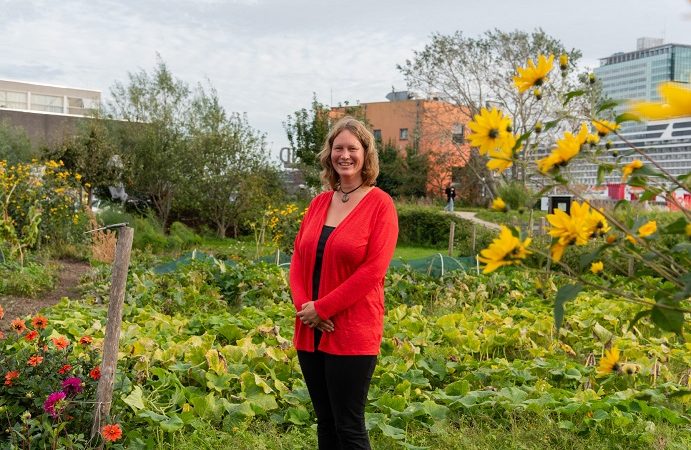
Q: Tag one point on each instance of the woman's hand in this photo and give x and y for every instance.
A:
(326, 326)
(308, 315)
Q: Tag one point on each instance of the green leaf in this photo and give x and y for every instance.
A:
(171, 424)
(676, 227)
(637, 317)
(297, 416)
(602, 171)
(608, 104)
(436, 412)
(650, 194)
(626, 117)
(392, 432)
(588, 258)
(135, 399)
(682, 247)
(570, 95)
(549, 125)
(564, 294)
(667, 319)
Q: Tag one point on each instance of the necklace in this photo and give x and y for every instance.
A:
(344, 197)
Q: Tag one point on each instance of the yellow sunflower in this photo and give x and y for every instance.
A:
(630, 168)
(567, 147)
(596, 224)
(677, 103)
(557, 250)
(498, 204)
(505, 250)
(597, 267)
(570, 229)
(489, 131)
(609, 363)
(532, 74)
(604, 127)
(647, 229)
(500, 159)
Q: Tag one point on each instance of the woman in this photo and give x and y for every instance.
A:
(342, 252)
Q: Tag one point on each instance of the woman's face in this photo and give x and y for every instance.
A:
(347, 156)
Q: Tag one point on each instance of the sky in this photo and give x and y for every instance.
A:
(267, 58)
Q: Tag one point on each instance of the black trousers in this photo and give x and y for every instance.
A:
(338, 386)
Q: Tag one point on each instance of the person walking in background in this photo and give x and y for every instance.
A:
(342, 252)
(450, 196)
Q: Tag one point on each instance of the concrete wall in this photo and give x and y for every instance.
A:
(44, 130)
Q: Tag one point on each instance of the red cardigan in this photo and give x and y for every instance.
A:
(351, 287)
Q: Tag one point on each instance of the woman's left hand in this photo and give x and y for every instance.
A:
(308, 315)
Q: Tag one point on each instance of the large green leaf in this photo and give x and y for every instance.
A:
(135, 399)
(667, 319)
(564, 294)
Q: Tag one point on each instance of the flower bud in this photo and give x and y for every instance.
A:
(563, 61)
(591, 78)
(608, 145)
(538, 93)
(538, 127)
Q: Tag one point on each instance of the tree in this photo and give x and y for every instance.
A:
(15, 146)
(90, 152)
(306, 131)
(478, 72)
(402, 174)
(231, 180)
(154, 107)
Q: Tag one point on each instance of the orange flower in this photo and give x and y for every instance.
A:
(86, 340)
(35, 360)
(2, 312)
(64, 369)
(60, 342)
(95, 373)
(9, 376)
(31, 335)
(111, 433)
(18, 325)
(39, 322)
(2, 335)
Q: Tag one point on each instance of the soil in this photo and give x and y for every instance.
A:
(69, 274)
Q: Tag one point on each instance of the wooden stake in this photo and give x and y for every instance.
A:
(452, 230)
(104, 391)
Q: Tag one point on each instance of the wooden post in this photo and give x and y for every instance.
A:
(452, 230)
(104, 391)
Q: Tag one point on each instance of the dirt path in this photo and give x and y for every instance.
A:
(471, 216)
(69, 274)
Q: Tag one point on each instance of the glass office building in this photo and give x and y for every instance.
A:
(636, 75)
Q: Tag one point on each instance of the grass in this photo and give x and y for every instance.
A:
(408, 253)
(518, 431)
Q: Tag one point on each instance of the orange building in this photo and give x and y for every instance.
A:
(436, 128)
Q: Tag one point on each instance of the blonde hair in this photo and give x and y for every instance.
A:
(370, 165)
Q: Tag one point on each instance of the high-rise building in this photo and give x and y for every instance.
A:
(635, 75)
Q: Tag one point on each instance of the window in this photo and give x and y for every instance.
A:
(458, 133)
(49, 103)
(377, 135)
(13, 100)
(403, 135)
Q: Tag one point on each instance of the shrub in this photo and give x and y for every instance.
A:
(181, 236)
(27, 281)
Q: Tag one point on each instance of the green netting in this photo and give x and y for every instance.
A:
(185, 259)
(436, 265)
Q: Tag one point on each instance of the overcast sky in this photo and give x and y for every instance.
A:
(267, 57)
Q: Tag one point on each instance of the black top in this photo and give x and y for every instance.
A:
(316, 274)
